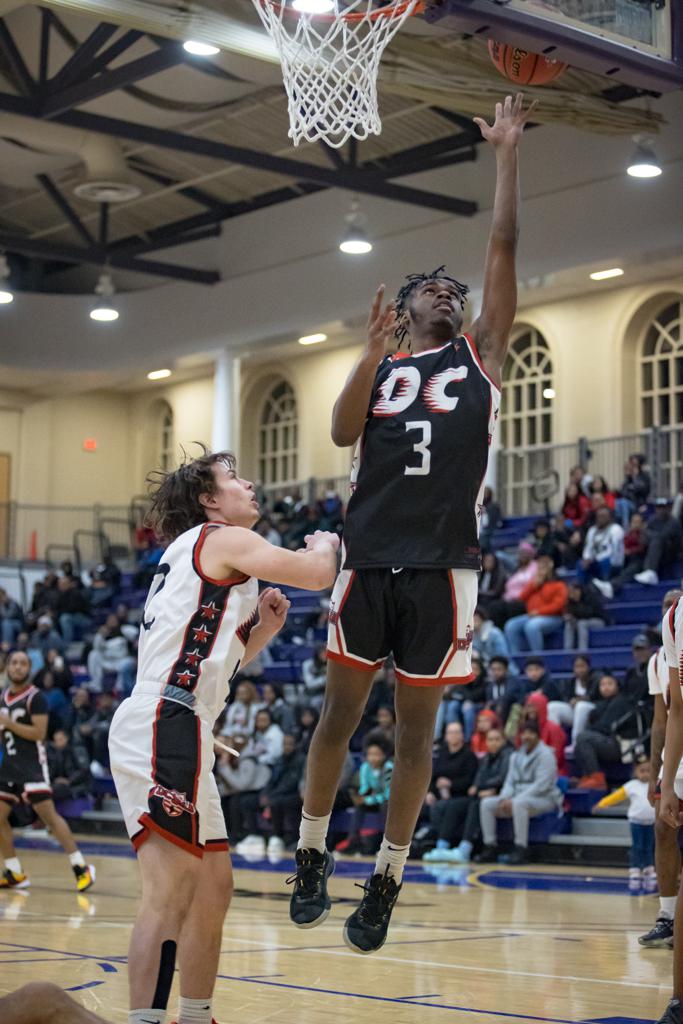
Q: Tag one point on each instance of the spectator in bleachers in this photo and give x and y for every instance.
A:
(576, 507)
(553, 735)
(11, 618)
(488, 640)
(539, 680)
(492, 580)
(460, 830)
(67, 569)
(530, 789)
(579, 476)
(641, 819)
(73, 610)
(24, 642)
(265, 743)
(461, 702)
(79, 713)
(486, 720)
(128, 621)
(96, 730)
(511, 603)
(544, 599)
(635, 540)
(568, 542)
(490, 520)
(241, 714)
(57, 703)
(105, 583)
(370, 795)
(544, 542)
(56, 663)
(281, 712)
(314, 675)
(598, 485)
(663, 536)
(45, 594)
(634, 490)
(603, 552)
(597, 745)
(384, 728)
(265, 529)
(280, 796)
(45, 636)
(241, 782)
(585, 611)
(581, 693)
(635, 687)
(110, 655)
(453, 772)
(330, 510)
(504, 689)
(69, 767)
(305, 727)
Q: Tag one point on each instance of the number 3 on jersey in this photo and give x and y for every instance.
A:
(421, 448)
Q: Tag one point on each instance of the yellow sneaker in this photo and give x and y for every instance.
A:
(85, 878)
(14, 880)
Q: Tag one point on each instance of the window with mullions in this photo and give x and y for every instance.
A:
(526, 415)
(661, 369)
(279, 437)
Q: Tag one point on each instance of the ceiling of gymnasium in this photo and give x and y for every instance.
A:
(231, 237)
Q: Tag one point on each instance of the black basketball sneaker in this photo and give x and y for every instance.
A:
(673, 1013)
(366, 930)
(662, 934)
(310, 903)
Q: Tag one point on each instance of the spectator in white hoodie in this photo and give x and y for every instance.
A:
(603, 552)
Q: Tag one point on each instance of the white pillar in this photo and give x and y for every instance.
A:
(226, 387)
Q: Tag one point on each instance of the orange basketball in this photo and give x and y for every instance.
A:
(522, 66)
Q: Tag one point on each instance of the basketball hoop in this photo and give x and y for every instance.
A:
(330, 64)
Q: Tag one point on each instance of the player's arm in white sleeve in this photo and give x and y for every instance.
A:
(673, 752)
(239, 550)
(658, 730)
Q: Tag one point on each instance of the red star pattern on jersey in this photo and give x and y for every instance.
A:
(193, 658)
(184, 678)
(201, 634)
(209, 611)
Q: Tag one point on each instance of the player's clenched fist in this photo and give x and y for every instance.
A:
(272, 609)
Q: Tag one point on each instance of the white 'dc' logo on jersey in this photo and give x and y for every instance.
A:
(434, 394)
(398, 392)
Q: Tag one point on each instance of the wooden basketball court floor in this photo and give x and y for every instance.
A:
(542, 944)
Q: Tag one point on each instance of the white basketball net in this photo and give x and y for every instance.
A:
(330, 65)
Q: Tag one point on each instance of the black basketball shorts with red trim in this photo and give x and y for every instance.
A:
(33, 790)
(161, 758)
(424, 617)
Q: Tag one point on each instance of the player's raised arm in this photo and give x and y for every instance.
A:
(499, 302)
(351, 408)
(240, 550)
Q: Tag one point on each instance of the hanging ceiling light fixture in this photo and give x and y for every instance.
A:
(644, 162)
(355, 241)
(6, 293)
(198, 49)
(104, 310)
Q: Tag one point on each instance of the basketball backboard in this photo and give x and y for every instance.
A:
(639, 42)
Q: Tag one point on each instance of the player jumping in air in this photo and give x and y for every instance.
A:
(24, 774)
(408, 584)
(203, 619)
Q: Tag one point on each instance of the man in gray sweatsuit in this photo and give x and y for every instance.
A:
(530, 788)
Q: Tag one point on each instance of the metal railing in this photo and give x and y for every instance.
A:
(81, 533)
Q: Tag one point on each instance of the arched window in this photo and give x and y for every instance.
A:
(279, 437)
(166, 438)
(526, 415)
(661, 369)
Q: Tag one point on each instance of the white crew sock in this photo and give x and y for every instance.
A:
(76, 859)
(391, 858)
(667, 906)
(13, 864)
(147, 1017)
(194, 1011)
(313, 832)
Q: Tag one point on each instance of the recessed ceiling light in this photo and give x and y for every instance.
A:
(602, 275)
(200, 49)
(158, 374)
(5, 297)
(312, 339)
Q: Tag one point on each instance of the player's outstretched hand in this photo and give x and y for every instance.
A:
(381, 325)
(311, 539)
(272, 609)
(508, 126)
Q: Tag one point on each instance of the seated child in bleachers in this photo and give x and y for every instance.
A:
(641, 818)
(371, 794)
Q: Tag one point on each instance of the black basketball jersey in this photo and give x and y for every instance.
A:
(22, 760)
(418, 477)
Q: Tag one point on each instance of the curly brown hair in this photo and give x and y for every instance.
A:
(175, 495)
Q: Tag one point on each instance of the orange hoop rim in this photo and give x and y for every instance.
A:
(393, 10)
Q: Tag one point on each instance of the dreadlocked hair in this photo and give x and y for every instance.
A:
(413, 281)
(175, 505)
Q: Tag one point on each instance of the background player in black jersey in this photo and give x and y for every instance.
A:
(408, 581)
(24, 774)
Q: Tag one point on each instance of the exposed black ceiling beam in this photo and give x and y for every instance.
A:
(16, 61)
(105, 257)
(148, 245)
(63, 204)
(109, 81)
(197, 195)
(354, 180)
(118, 47)
(44, 53)
(80, 59)
(397, 167)
(103, 228)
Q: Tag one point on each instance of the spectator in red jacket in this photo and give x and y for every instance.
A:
(553, 735)
(599, 486)
(576, 507)
(545, 599)
(486, 720)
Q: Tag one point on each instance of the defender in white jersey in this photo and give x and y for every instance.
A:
(203, 619)
(667, 853)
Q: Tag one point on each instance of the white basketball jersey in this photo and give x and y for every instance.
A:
(194, 629)
(672, 636)
(658, 676)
